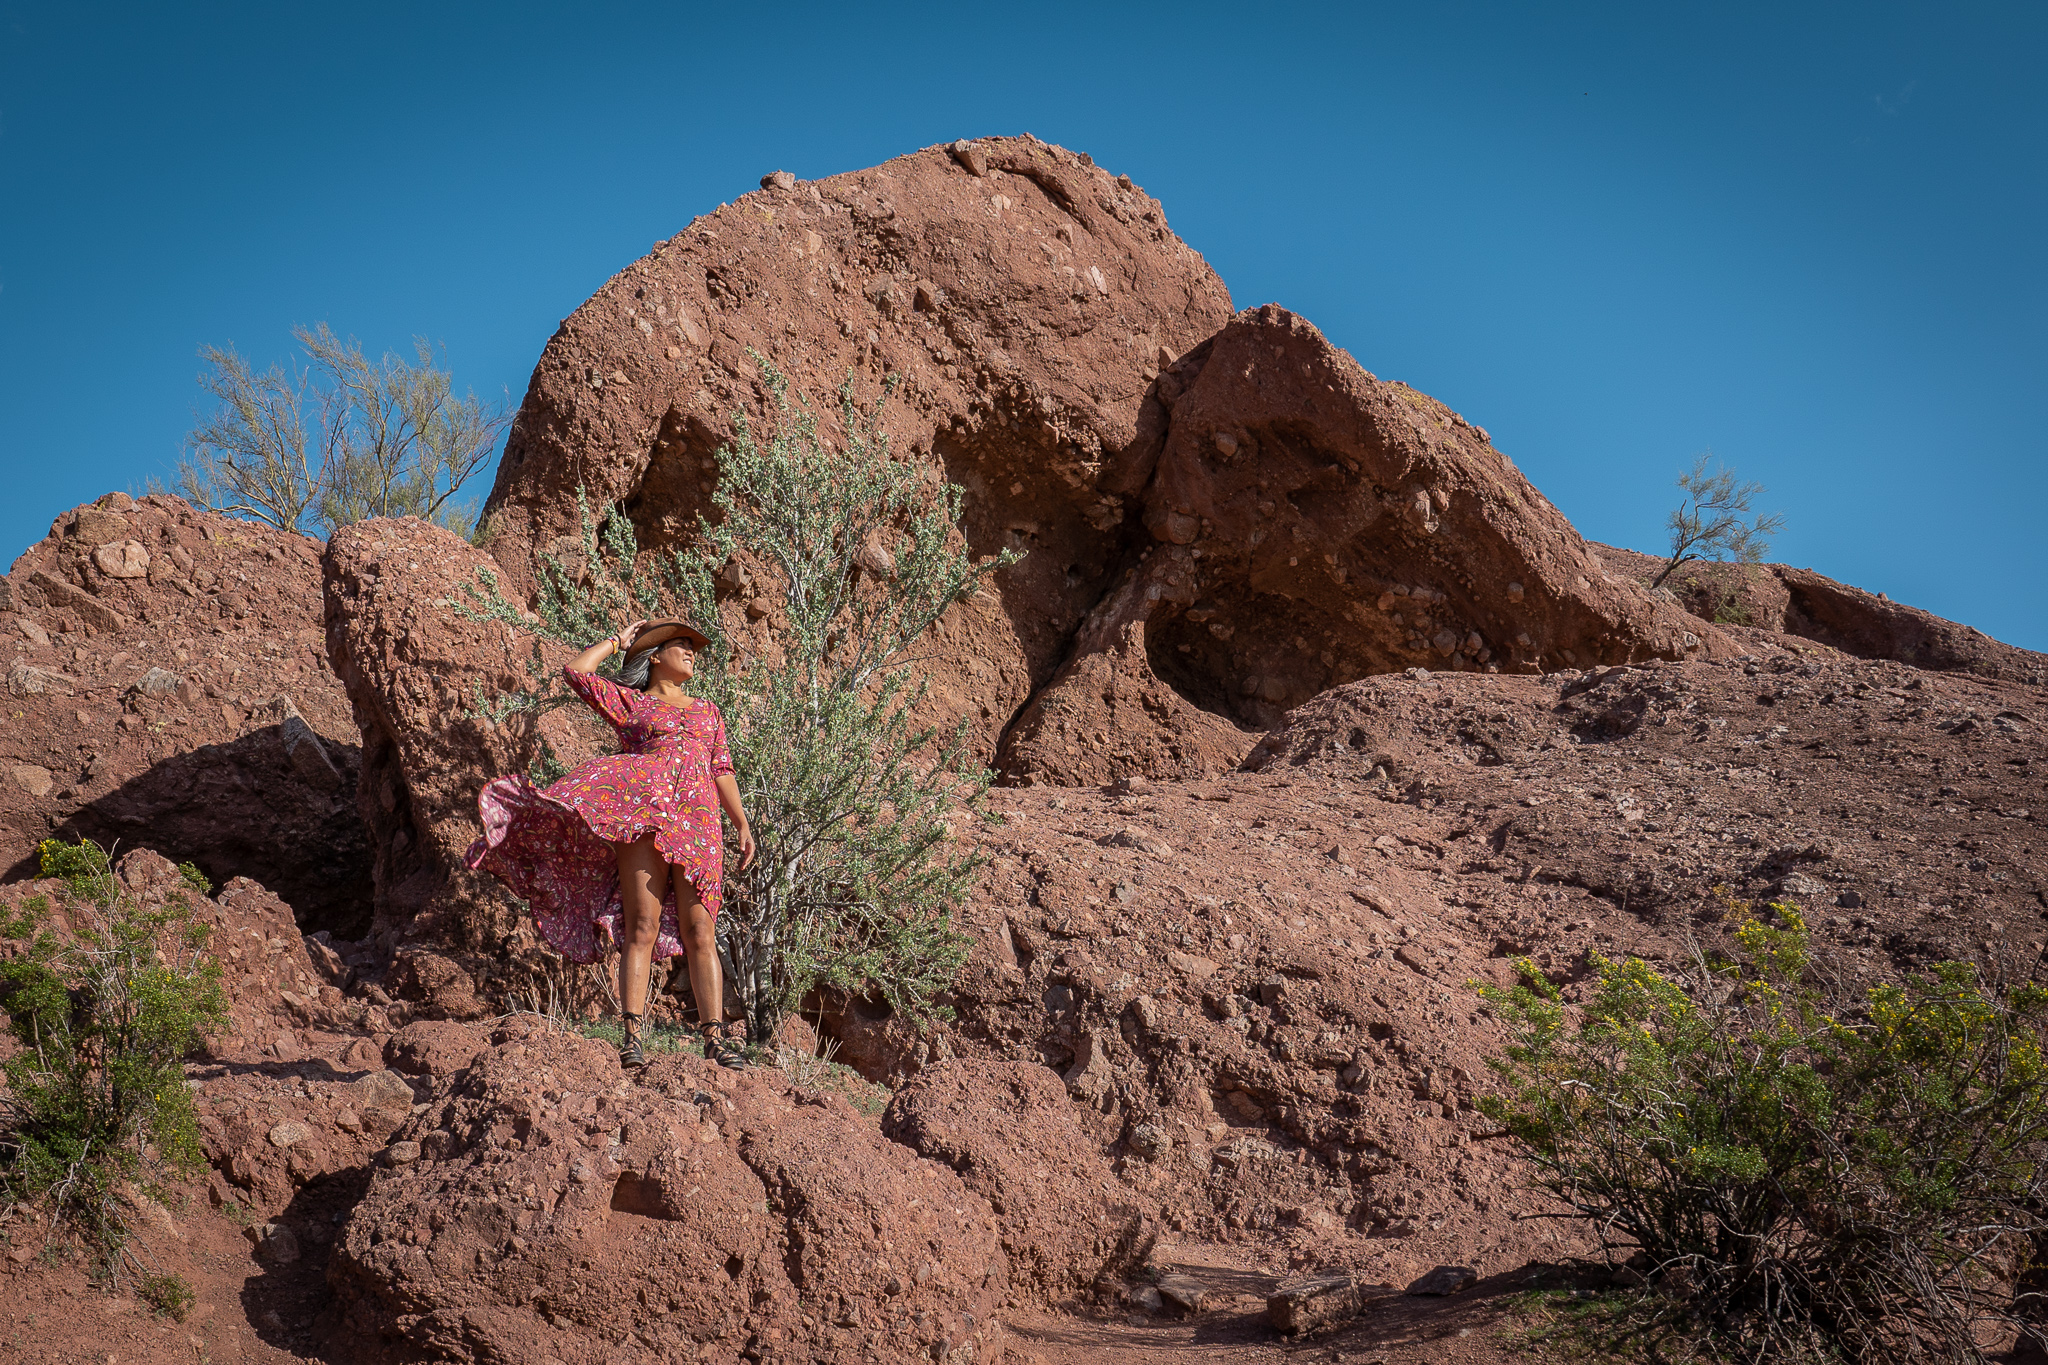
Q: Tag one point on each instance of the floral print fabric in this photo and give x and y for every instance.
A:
(553, 847)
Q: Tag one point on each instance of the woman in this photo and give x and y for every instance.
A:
(630, 844)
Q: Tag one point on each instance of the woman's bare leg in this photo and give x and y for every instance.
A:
(700, 939)
(643, 881)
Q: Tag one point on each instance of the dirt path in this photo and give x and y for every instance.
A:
(1467, 1329)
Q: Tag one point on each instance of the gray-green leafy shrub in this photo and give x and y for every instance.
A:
(858, 871)
(168, 1296)
(105, 997)
(1818, 1179)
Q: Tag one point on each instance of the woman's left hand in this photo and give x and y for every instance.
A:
(746, 847)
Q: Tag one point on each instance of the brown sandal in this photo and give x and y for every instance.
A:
(724, 1051)
(631, 1055)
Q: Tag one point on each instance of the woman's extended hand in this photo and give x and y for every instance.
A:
(729, 797)
(600, 650)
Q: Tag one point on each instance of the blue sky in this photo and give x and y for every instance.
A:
(1807, 237)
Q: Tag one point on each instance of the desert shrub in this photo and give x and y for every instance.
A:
(1717, 520)
(857, 873)
(822, 1071)
(168, 1296)
(1715, 593)
(339, 439)
(1730, 611)
(1816, 1178)
(105, 997)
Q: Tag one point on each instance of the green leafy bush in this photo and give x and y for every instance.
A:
(857, 872)
(105, 997)
(168, 1296)
(1814, 1182)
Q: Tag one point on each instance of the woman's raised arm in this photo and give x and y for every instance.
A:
(589, 659)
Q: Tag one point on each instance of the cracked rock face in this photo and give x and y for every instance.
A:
(1316, 526)
(557, 1210)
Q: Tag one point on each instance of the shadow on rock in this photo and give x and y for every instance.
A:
(277, 806)
(287, 1303)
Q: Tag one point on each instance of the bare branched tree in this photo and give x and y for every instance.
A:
(339, 439)
(1716, 520)
(251, 456)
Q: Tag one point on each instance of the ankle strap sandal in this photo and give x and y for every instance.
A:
(631, 1055)
(724, 1051)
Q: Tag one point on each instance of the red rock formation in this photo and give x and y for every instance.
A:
(413, 670)
(1015, 1138)
(1259, 986)
(1800, 602)
(1026, 296)
(539, 1207)
(1289, 489)
(167, 685)
(1316, 526)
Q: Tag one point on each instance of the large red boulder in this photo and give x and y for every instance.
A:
(1026, 296)
(1314, 525)
(541, 1207)
(1019, 1141)
(415, 670)
(167, 685)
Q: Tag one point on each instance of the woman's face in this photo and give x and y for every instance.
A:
(677, 659)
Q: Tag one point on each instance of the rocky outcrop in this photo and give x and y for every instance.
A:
(539, 1207)
(1811, 606)
(1315, 526)
(1016, 1139)
(1207, 544)
(1259, 987)
(1026, 296)
(414, 671)
(1244, 1002)
(1872, 626)
(167, 687)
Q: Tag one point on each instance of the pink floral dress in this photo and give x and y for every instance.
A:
(554, 847)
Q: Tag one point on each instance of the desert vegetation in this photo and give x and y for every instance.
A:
(1717, 520)
(106, 998)
(337, 439)
(1805, 1173)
